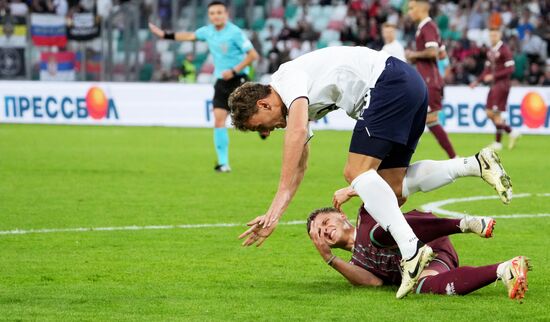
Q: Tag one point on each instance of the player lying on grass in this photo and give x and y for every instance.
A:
(388, 98)
(375, 259)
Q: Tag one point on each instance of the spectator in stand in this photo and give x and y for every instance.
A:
(533, 46)
(535, 76)
(520, 61)
(477, 17)
(42, 6)
(19, 8)
(61, 7)
(188, 71)
(288, 33)
(525, 24)
(545, 81)
(459, 75)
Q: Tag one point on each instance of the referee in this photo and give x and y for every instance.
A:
(232, 52)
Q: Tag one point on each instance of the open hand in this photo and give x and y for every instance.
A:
(341, 196)
(315, 234)
(256, 233)
(156, 30)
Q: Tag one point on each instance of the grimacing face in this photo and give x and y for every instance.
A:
(217, 14)
(330, 227)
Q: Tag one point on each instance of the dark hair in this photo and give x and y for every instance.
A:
(242, 102)
(317, 212)
(216, 3)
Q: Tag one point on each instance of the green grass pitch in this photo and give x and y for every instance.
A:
(69, 177)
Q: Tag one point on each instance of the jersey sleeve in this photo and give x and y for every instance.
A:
(430, 37)
(290, 84)
(509, 67)
(201, 33)
(243, 42)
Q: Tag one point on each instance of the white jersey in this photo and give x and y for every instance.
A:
(331, 78)
(395, 49)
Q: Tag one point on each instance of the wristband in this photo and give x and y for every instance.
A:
(170, 35)
(330, 260)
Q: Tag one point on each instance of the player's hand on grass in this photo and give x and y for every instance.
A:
(228, 74)
(341, 196)
(156, 30)
(256, 234)
(315, 234)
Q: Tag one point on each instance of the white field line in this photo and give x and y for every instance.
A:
(436, 206)
(89, 229)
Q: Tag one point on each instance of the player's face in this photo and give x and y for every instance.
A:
(494, 37)
(388, 33)
(267, 119)
(217, 14)
(331, 228)
(416, 9)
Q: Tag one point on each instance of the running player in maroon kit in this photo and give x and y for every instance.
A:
(498, 73)
(375, 259)
(428, 43)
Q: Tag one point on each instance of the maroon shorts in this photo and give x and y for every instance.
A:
(435, 99)
(498, 97)
(446, 259)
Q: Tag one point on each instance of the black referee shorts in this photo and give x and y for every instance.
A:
(224, 88)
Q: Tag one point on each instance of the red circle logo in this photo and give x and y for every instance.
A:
(97, 103)
(533, 110)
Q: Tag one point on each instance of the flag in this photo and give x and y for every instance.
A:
(83, 26)
(57, 66)
(48, 30)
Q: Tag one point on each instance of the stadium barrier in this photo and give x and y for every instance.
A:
(185, 105)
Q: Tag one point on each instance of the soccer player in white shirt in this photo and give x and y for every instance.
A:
(391, 45)
(388, 98)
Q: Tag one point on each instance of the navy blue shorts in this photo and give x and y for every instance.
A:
(390, 127)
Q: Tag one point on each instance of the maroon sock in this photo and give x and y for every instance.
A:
(461, 281)
(498, 136)
(441, 136)
(426, 228)
(506, 128)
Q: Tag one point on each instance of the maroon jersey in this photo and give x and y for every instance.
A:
(500, 63)
(428, 36)
(384, 262)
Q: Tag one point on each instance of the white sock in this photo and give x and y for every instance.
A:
(428, 175)
(381, 203)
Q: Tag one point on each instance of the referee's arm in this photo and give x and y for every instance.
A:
(178, 36)
(251, 56)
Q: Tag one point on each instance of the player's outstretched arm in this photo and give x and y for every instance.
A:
(178, 36)
(341, 196)
(354, 274)
(294, 160)
(295, 155)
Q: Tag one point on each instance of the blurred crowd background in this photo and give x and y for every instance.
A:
(109, 40)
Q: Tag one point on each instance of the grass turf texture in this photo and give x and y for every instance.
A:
(64, 177)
